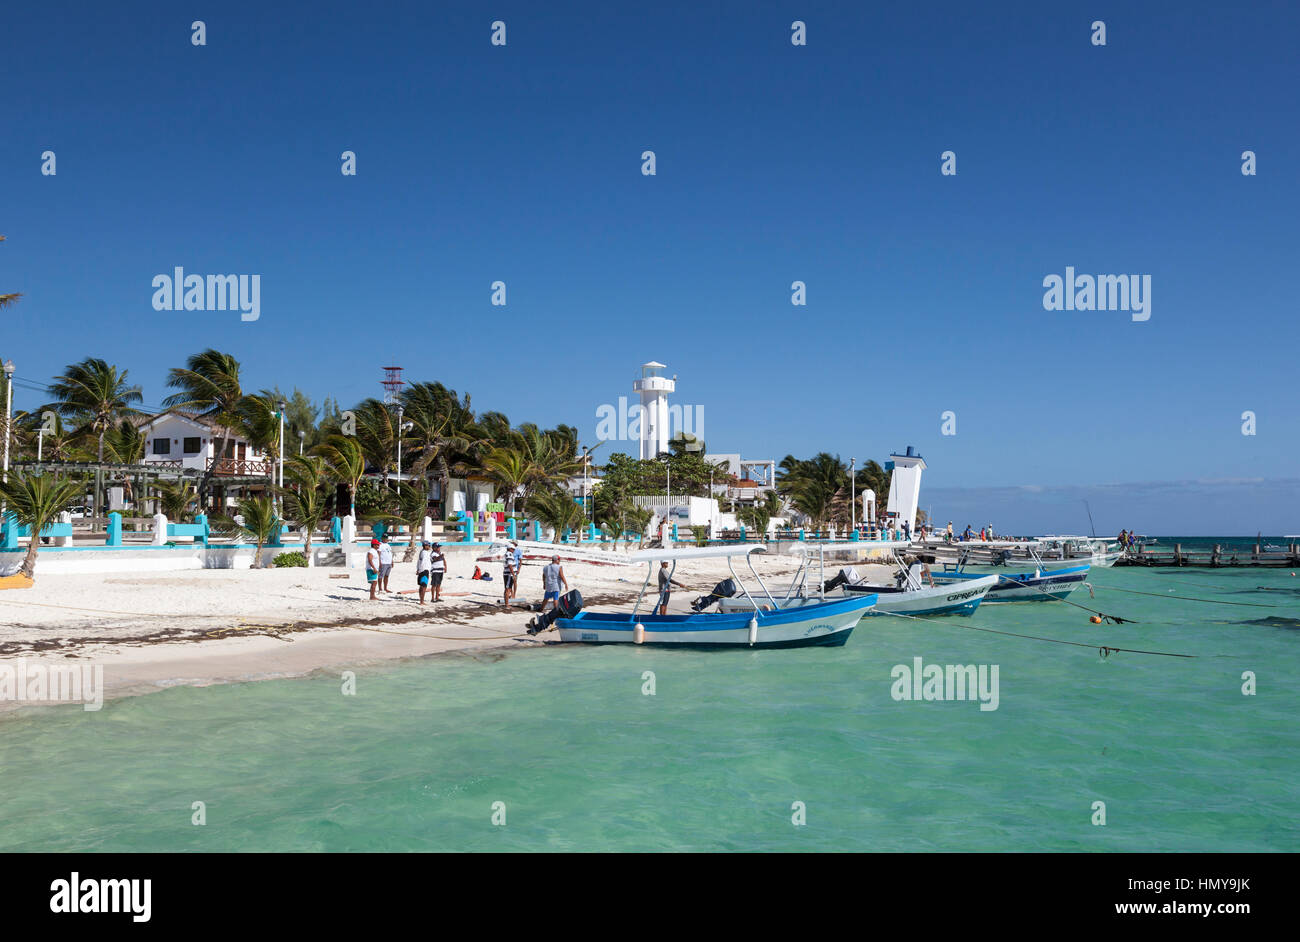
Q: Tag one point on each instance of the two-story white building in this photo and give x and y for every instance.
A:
(189, 442)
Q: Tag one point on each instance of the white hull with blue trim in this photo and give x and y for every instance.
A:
(1041, 585)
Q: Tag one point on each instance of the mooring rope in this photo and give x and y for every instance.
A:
(1108, 619)
(1185, 598)
(1105, 650)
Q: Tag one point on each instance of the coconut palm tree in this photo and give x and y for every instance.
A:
(345, 462)
(305, 501)
(410, 508)
(638, 519)
(175, 498)
(125, 443)
(95, 395)
(443, 433)
(260, 523)
(7, 299)
(35, 501)
(556, 508)
(511, 469)
(208, 386)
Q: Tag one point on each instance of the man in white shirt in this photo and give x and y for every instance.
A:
(437, 568)
(385, 561)
(423, 563)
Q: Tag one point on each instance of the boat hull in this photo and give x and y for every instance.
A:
(1048, 585)
(825, 624)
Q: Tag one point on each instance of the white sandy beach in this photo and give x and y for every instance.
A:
(156, 630)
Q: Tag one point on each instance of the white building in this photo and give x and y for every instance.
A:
(189, 442)
(654, 388)
(755, 477)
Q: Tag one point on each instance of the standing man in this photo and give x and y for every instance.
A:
(509, 572)
(372, 568)
(437, 569)
(385, 561)
(665, 587)
(423, 563)
(552, 580)
(948, 536)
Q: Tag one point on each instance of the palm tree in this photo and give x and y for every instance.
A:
(345, 462)
(125, 443)
(7, 299)
(175, 498)
(511, 469)
(35, 501)
(411, 507)
(443, 432)
(305, 501)
(260, 523)
(208, 386)
(94, 394)
(638, 519)
(557, 509)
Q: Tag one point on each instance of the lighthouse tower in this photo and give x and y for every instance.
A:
(905, 486)
(654, 388)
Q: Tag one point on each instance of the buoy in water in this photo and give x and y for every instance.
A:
(1095, 619)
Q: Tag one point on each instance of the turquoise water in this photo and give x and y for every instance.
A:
(582, 760)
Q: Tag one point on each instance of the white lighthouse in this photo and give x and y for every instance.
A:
(654, 388)
(905, 486)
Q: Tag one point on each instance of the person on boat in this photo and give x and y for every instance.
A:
(552, 580)
(948, 536)
(1123, 538)
(917, 574)
(372, 569)
(967, 534)
(983, 536)
(665, 587)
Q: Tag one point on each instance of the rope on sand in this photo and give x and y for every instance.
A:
(1104, 650)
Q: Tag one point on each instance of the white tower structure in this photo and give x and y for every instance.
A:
(654, 388)
(905, 486)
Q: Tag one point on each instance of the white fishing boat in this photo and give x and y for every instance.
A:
(757, 625)
(1039, 585)
(568, 552)
(1098, 553)
(905, 597)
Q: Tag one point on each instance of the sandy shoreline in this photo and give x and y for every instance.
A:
(158, 630)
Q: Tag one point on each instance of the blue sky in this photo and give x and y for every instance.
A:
(775, 163)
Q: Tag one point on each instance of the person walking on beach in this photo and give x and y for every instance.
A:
(437, 569)
(552, 580)
(385, 561)
(665, 587)
(372, 569)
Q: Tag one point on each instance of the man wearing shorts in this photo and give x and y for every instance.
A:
(552, 579)
(509, 572)
(385, 561)
(372, 568)
(665, 587)
(437, 568)
(423, 563)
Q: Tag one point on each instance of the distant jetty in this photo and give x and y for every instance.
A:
(1213, 558)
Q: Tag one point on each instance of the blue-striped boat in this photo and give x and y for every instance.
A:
(1040, 585)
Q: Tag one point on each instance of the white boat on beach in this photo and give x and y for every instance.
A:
(755, 625)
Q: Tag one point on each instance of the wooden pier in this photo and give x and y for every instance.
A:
(1215, 558)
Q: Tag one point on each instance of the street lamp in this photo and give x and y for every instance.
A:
(9, 411)
(400, 411)
(301, 436)
(283, 405)
(853, 497)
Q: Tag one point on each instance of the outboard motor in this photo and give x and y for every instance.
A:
(569, 604)
(723, 590)
(847, 576)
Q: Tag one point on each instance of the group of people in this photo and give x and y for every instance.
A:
(430, 567)
(1127, 539)
(968, 535)
(553, 578)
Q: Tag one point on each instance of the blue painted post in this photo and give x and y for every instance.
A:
(277, 534)
(114, 530)
(856, 536)
(379, 528)
(511, 529)
(742, 533)
(564, 536)
(336, 530)
(801, 534)
(537, 530)
(467, 526)
(674, 533)
(202, 520)
(591, 532)
(9, 533)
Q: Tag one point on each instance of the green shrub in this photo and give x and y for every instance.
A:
(289, 560)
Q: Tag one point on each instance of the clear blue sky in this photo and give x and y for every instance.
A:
(775, 163)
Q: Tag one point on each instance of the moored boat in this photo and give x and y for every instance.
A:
(1038, 585)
